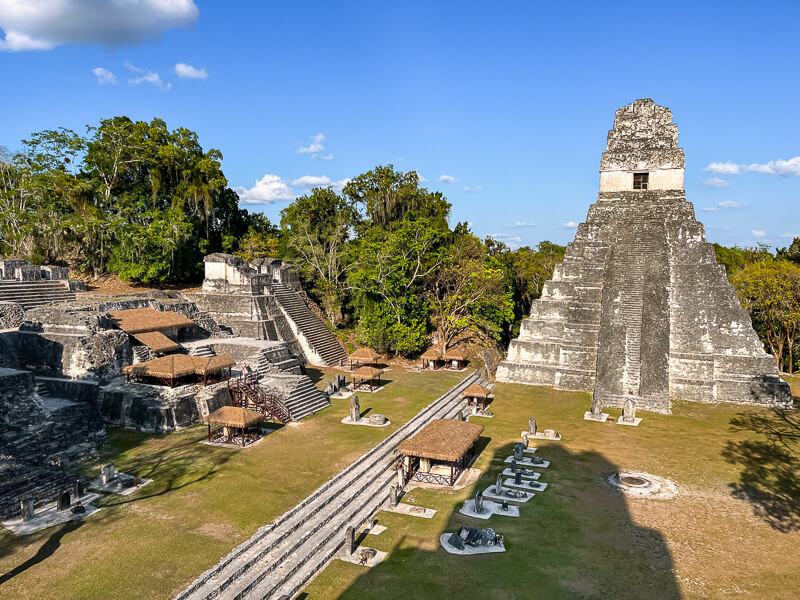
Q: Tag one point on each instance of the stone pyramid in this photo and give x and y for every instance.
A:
(639, 307)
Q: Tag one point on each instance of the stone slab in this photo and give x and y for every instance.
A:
(354, 558)
(509, 473)
(489, 494)
(48, 516)
(376, 530)
(528, 463)
(364, 421)
(469, 550)
(369, 391)
(116, 486)
(587, 416)
(489, 508)
(536, 486)
(635, 423)
(540, 436)
(410, 509)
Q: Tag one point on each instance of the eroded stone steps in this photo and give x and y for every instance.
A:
(245, 567)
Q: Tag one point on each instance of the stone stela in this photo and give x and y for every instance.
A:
(640, 282)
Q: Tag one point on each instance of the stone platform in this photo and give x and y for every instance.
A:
(489, 508)
(48, 516)
(469, 550)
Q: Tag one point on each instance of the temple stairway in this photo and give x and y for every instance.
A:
(35, 293)
(318, 335)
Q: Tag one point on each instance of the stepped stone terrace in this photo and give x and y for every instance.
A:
(639, 308)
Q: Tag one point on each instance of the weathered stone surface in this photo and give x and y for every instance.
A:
(11, 315)
(641, 282)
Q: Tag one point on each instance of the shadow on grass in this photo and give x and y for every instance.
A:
(575, 540)
(45, 551)
(770, 476)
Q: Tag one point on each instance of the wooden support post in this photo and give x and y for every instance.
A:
(209, 432)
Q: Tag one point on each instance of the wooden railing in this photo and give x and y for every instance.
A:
(245, 391)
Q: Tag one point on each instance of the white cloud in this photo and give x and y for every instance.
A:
(724, 204)
(523, 224)
(727, 168)
(759, 233)
(785, 168)
(104, 76)
(315, 146)
(45, 24)
(476, 188)
(328, 156)
(314, 181)
(153, 78)
(790, 236)
(447, 179)
(731, 204)
(569, 225)
(270, 188)
(716, 182)
(421, 178)
(185, 71)
(511, 240)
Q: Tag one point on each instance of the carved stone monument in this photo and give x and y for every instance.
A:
(394, 497)
(639, 306)
(350, 540)
(479, 508)
(498, 486)
(62, 501)
(629, 414)
(107, 474)
(513, 465)
(26, 508)
(517, 477)
(519, 452)
(532, 426)
(77, 489)
(355, 409)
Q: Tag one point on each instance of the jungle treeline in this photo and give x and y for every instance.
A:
(379, 257)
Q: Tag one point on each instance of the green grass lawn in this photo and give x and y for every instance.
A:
(203, 501)
(582, 539)
(732, 531)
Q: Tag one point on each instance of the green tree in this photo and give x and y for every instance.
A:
(469, 294)
(316, 230)
(771, 292)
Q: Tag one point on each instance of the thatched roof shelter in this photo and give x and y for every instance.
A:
(476, 391)
(454, 354)
(157, 341)
(444, 439)
(367, 372)
(431, 354)
(143, 320)
(233, 416)
(364, 355)
(175, 366)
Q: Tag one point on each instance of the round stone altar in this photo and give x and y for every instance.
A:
(643, 485)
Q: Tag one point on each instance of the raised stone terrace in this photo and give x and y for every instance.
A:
(639, 307)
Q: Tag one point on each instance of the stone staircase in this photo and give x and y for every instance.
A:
(276, 360)
(282, 557)
(142, 354)
(206, 351)
(205, 321)
(301, 396)
(318, 335)
(35, 293)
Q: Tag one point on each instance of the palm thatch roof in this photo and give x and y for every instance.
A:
(443, 439)
(367, 372)
(233, 416)
(476, 391)
(143, 320)
(157, 341)
(454, 354)
(364, 355)
(180, 365)
(431, 354)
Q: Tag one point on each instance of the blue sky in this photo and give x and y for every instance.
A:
(504, 107)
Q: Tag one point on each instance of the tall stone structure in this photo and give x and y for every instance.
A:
(639, 308)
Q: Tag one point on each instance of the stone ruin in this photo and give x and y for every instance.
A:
(641, 283)
(263, 299)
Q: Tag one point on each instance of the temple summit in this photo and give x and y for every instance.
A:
(639, 308)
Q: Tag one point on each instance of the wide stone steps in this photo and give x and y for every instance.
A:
(206, 351)
(281, 558)
(35, 293)
(305, 399)
(314, 330)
